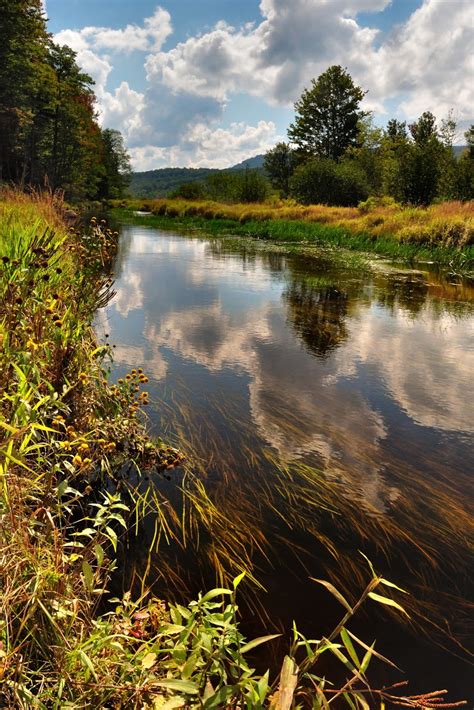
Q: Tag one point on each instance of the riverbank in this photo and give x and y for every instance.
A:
(442, 233)
(67, 434)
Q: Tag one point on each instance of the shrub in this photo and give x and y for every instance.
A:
(189, 191)
(326, 182)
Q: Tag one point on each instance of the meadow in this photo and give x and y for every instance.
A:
(441, 232)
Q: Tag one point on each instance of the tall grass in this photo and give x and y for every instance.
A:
(442, 232)
(67, 439)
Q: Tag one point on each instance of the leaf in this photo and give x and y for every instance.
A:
(99, 553)
(238, 579)
(391, 584)
(385, 600)
(88, 575)
(148, 661)
(183, 686)
(256, 642)
(372, 649)
(220, 697)
(214, 593)
(331, 588)
(349, 646)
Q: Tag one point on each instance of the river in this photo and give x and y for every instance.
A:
(326, 405)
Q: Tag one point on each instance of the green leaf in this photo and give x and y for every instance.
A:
(331, 588)
(148, 661)
(99, 553)
(387, 601)
(88, 575)
(189, 666)
(220, 697)
(238, 579)
(349, 646)
(182, 686)
(256, 642)
(214, 593)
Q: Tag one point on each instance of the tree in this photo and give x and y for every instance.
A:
(327, 115)
(280, 164)
(24, 45)
(116, 165)
(323, 181)
(465, 169)
(422, 163)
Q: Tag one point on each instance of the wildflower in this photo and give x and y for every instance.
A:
(58, 322)
(83, 377)
(101, 442)
(31, 345)
(84, 447)
(86, 462)
(77, 460)
(66, 445)
(120, 381)
(111, 446)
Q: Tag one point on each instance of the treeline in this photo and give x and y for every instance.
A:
(227, 186)
(336, 156)
(50, 135)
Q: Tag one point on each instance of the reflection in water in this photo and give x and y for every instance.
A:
(325, 410)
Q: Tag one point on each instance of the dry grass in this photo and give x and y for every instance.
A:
(449, 224)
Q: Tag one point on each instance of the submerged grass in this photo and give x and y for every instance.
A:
(68, 439)
(442, 233)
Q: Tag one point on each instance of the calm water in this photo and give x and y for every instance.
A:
(327, 408)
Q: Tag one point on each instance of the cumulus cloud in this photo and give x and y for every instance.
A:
(423, 64)
(148, 37)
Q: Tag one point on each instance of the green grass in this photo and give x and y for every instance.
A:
(297, 232)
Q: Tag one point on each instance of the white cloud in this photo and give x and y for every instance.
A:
(423, 64)
(148, 37)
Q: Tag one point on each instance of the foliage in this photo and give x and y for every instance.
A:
(48, 122)
(326, 182)
(327, 115)
(189, 191)
(279, 165)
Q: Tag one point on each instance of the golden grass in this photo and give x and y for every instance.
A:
(448, 224)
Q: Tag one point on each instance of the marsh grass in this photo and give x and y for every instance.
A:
(68, 440)
(443, 232)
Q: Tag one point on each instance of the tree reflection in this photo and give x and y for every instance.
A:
(318, 314)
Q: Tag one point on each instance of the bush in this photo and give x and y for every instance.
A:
(327, 182)
(189, 191)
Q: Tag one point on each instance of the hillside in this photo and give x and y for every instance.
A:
(159, 183)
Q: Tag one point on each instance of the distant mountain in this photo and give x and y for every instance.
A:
(254, 163)
(159, 183)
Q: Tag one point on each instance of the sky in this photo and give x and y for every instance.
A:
(209, 83)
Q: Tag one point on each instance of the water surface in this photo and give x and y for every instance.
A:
(327, 407)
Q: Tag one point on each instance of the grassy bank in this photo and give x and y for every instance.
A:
(442, 233)
(67, 437)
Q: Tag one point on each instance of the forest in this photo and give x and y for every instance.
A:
(49, 127)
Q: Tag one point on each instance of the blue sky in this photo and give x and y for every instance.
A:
(212, 82)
